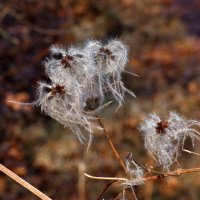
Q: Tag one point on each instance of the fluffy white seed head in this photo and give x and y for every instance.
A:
(165, 138)
(56, 50)
(134, 170)
(63, 103)
(109, 61)
(181, 127)
(80, 79)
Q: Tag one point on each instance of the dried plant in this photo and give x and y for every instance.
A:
(109, 61)
(85, 74)
(165, 138)
(80, 80)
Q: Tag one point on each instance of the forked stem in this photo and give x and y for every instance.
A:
(111, 144)
(22, 182)
(177, 172)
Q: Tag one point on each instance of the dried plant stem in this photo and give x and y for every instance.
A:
(111, 144)
(23, 183)
(190, 152)
(105, 189)
(177, 172)
(117, 197)
(105, 178)
(133, 192)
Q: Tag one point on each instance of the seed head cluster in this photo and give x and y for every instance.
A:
(164, 139)
(80, 78)
(133, 168)
(135, 172)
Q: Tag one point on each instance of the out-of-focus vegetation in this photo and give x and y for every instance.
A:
(163, 36)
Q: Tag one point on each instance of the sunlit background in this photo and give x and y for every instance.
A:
(164, 50)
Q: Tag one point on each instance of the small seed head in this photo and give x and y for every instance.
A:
(161, 126)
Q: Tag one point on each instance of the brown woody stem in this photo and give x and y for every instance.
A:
(111, 144)
(22, 182)
(177, 172)
(105, 189)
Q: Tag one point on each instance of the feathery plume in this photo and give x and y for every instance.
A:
(80, 78)
(165, 138)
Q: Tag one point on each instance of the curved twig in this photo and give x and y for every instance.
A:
(105, 178)
(105, 189)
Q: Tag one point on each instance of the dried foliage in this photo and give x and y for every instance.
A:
(164, 50)
(164, 139)
(80, 80)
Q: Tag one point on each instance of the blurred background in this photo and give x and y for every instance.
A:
(164, 41)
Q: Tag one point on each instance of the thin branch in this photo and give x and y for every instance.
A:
(134, 195)
(177, 172)
(190, 152)
(131, 159)
(22, 182)
(105, 189)
(105, 178)
(111, 144)
(117, 196)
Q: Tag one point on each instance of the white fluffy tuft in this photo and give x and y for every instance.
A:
(165, 144)
(80, 78)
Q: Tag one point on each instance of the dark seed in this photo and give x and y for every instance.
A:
(47, 90)
(57, 56)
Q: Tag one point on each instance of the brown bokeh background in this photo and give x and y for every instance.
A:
(164, 41)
